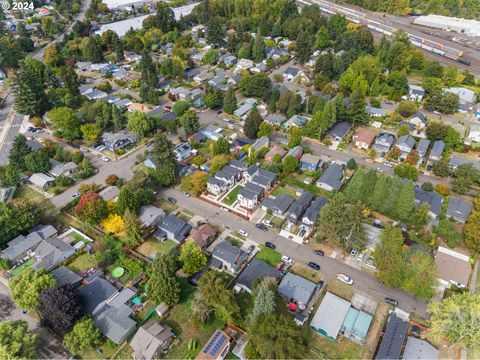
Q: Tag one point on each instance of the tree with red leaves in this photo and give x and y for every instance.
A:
(91, 208)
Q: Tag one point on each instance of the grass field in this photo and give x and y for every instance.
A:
(339, 288)
(232, 195)
(305, 271)
(20, 269)
(154, 246)
(323, 348)
(270, 256)
(82, 263)
(283, 190)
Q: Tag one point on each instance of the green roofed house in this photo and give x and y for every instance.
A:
(336, 315)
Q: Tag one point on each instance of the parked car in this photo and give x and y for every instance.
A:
(345, 279)
(314, 265)
(74, 196)
(230, 126)
(379, 169)
(261, 227)
(361, 256)
(286, 259)
(251, 249)
(243, 232)
(187, 194)
(270, 245)
(267, 223)
(104, 158)
(353, 252)
(172, 200)
(391, 301)
(319, 252)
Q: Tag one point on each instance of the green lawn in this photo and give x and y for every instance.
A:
(82, 263)
(19, 269)
(155, 247)
(77, 237)
(232, 195)
(283, 190)
(323, 348)
(186, 328)
(270, 256)
(274, 219)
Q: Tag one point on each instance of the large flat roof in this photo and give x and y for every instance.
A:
(330, 315)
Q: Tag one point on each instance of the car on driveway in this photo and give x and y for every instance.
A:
(319, 252)
(104, 158)
(319, 285)
(391, 301)
(267, 223)
(314, 265)
(230, 126)
(187, 194)
(353, 253)
(270, 245)
(345, 279)
(243, 232)
(251, 249)
(172, 200)
(286, 259)
(261, 227)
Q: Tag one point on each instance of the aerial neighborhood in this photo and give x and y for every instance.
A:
(239, 180)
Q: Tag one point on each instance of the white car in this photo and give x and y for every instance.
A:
(361, 256)
(230, 126)
(104, 158)
(267, 223)
(243, 232)
(286, 259)
(345, 279)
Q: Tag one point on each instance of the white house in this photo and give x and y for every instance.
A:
(250, 195)
(474, 134)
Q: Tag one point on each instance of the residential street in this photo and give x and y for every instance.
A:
(49, 347)
(363, 282)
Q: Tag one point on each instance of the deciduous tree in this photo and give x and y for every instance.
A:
(84, 336)
(192, 258)
(26, 288)
(91, 208)
(16, 342)
(190, 122)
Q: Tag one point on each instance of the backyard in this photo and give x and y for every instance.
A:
(20, 269)
(232, 195)
(151, 247)
(28, 193)
(270, 256)
(82, 263)
(284, 190)
(186, 328)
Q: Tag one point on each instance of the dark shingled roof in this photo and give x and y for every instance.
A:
(256, 269)
(393, 339)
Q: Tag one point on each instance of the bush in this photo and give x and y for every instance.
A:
(443, 189)
(64, 181)
(36, 121)
(407, 108)
(105, 87)
(351, 164)
(120, 151)
(111, 180)
(427, 186)
(375, 102)
(451, 243)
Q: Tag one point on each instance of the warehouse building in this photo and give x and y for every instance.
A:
(459, 25)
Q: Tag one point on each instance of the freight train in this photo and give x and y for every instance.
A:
(360, 18)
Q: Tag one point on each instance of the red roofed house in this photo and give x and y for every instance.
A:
(203, 235)
(364, 138)
(274, 151)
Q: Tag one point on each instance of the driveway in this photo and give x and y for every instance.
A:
(363, 282)
(49, 347)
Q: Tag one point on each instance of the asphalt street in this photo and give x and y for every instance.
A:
(363, 282)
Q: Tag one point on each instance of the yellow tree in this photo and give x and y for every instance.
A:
(113, 224)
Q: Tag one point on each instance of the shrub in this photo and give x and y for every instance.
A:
(111, 179)
(443, 189)
(427, 186)
(375, 102)
(36, 121)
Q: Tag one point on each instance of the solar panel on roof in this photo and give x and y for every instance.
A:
(210, 344)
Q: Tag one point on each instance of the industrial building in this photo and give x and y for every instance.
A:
(124, 4)
(459, 25)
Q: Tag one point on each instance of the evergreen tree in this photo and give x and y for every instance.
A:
(304, 47)
(215, 31)
(18, 152)
(163, 286)
(148, 70)
(258, 49)
(358, 113)
(230, 101)
(328, 118)
(28, 88)
(252, 123)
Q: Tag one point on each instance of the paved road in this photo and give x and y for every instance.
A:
(49, 347)
(363, 282)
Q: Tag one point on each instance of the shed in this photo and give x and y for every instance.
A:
(330, 314)
(356, 325)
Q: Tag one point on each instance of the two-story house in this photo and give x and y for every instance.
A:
(405, 143)
(250, 195)
(384, 143)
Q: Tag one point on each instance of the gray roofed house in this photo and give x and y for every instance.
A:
(17, 247)
(419, 120)
(278, 205)
(109, 193)
(50, 252)
(339, 131)
(422, 148)
(254, 270)
(420, 350)
(216, 186)
(275, 53)
(41, 180)
(114, 321)
(375, 112)
(119, 140)
(432, 198)
(331, 178)
(239, 165)
(123, 103)
(175, 228)
(231, 256)
(393, 338)
(182, 151)
(151, 340)
(310, 162)
(65, 276)
(291, 73)
(296, 288)
(456, 161)
(250, 195)
(275, 119)
(311, 214)
(62, 169)
(95, 295)
(458, 209)
(298, 207)
(406, 143)
(259, 144)
(384, 142)
(330, 315)
(416, 92)
(151, 215)
(437, 150)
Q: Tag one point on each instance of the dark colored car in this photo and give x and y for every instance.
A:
(261, 227)
(314, 265)
(172, 200)
(319, 252)
(270, 245)
(391, 301)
